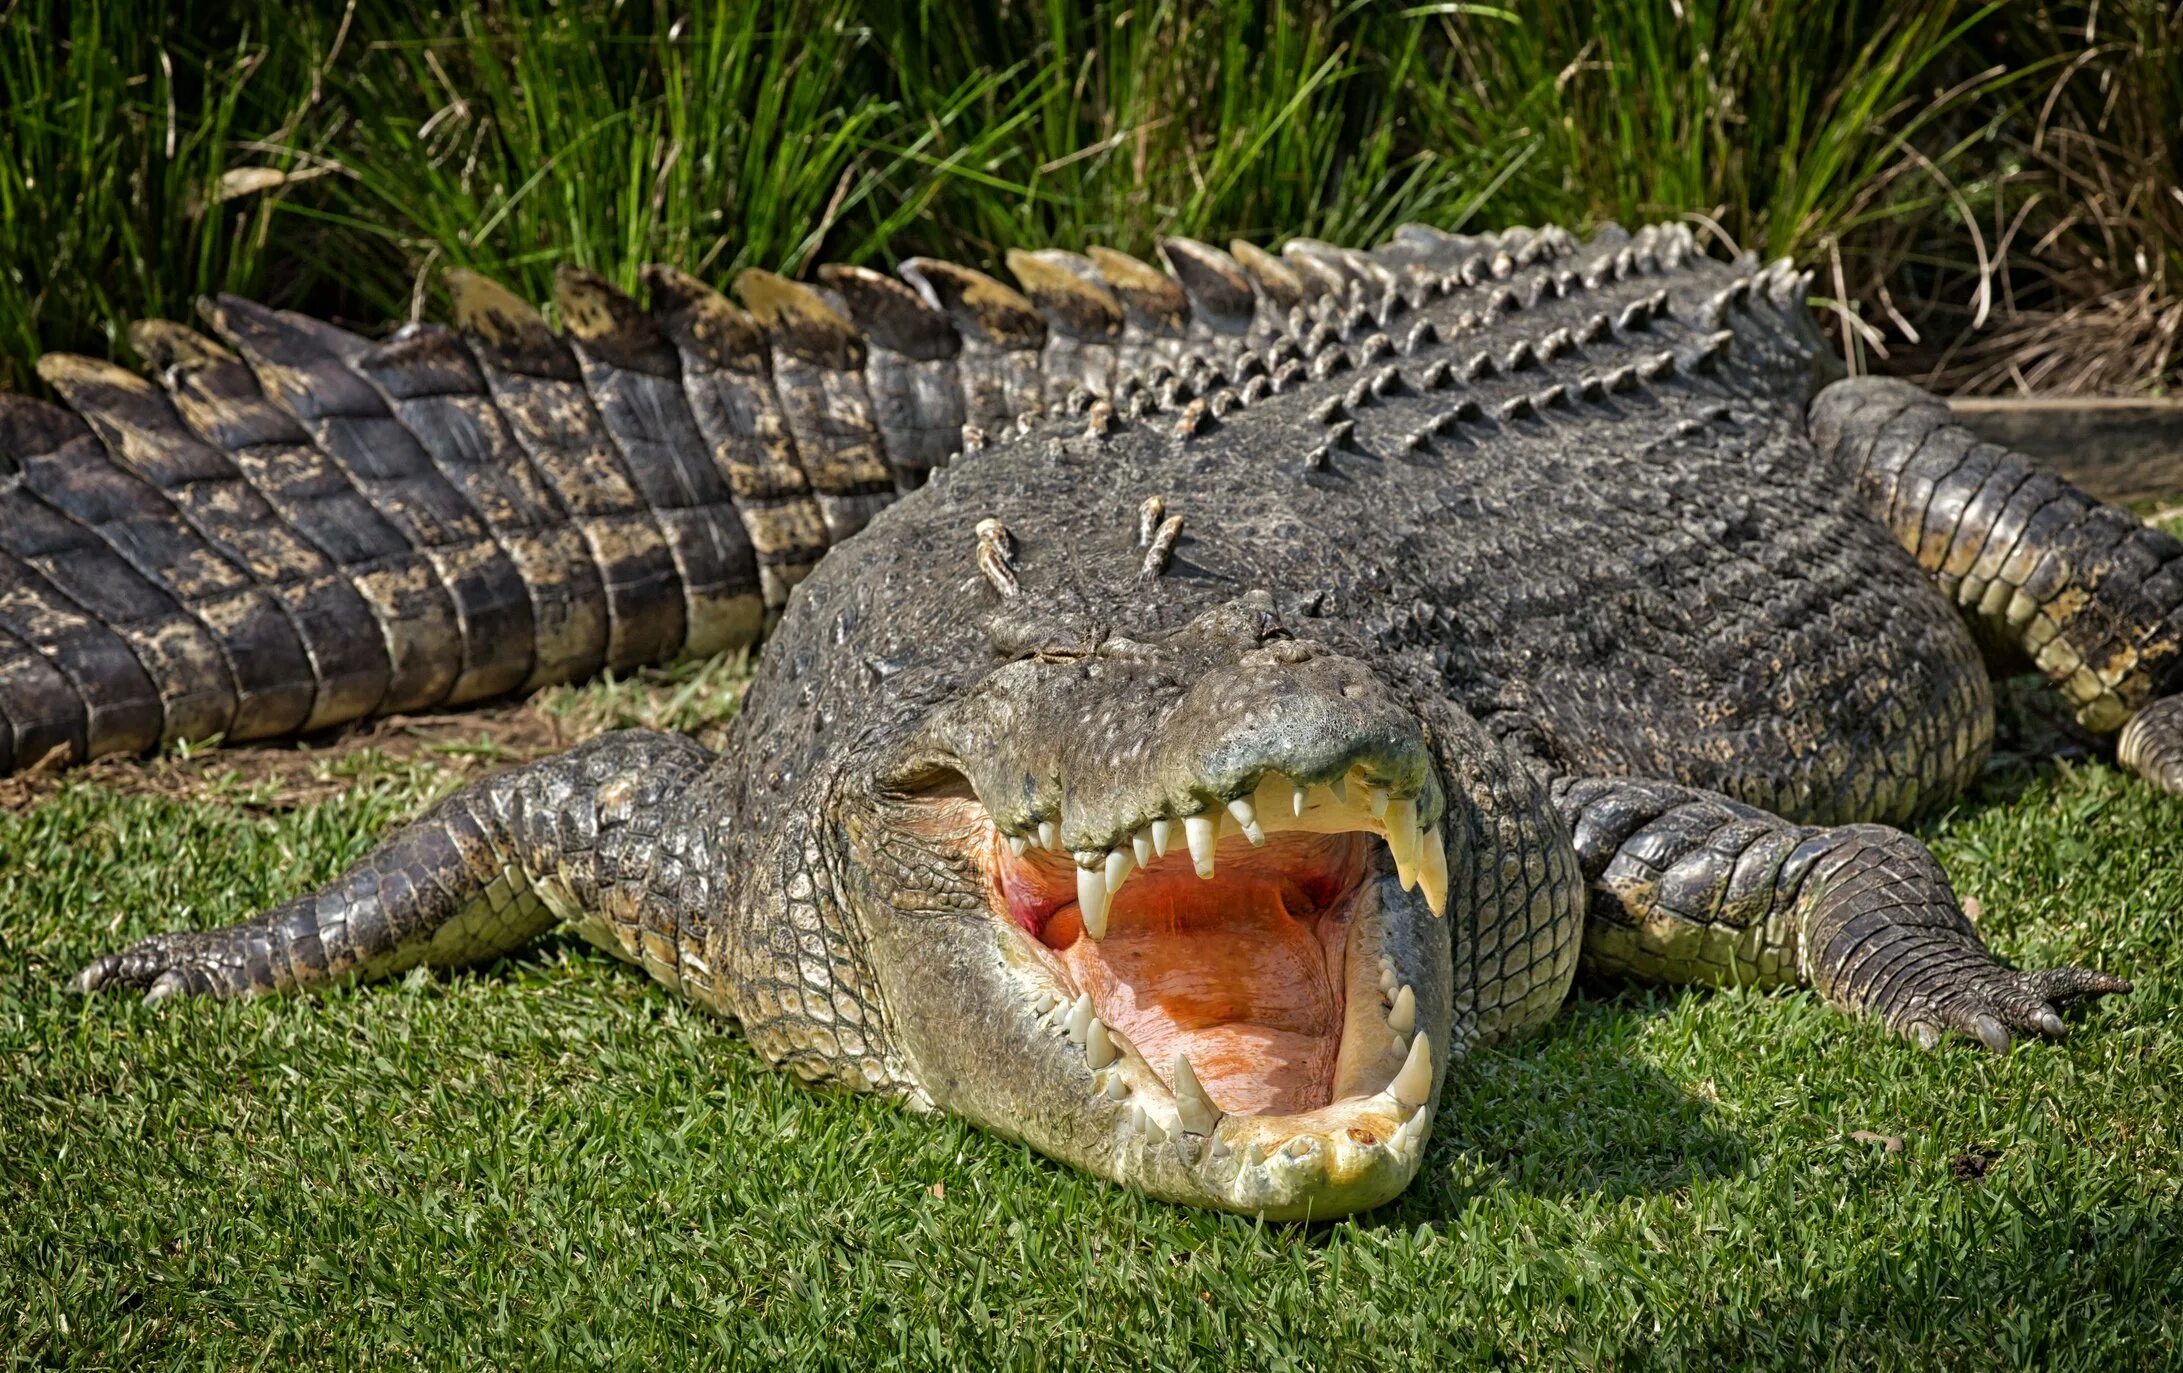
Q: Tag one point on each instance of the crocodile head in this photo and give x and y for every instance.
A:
(1164, 908)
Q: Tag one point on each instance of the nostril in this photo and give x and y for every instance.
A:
(1289, 651)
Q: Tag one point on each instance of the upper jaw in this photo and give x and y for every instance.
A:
(1406, 815)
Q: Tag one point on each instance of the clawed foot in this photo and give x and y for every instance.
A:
(198, 963)
(1988, 1002)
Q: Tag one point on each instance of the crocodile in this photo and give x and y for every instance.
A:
(1239, 692)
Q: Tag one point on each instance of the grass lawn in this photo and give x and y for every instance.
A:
(552, 1160)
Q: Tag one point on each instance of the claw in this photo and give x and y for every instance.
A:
(1990, 1032)
(169, 984)
(1925, 1034)
(2048, 1023)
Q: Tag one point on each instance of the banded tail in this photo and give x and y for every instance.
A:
(293, 526)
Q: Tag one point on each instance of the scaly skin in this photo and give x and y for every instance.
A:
(1521, 554)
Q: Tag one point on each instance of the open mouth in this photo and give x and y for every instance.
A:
(1230, 979)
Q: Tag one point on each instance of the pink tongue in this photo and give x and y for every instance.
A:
(1244, 990)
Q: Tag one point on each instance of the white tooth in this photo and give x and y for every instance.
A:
(1116, 1089)
(1247, 820)
(1403, 1018)
(1049, 835)
(1091, 901)
(1387, 977)
(1162, 831)
(1376, 801)
(1432, 871)
(1219, 1149)
(1193, 1107)
(1046, 1003)
(1254, 1154)
(1080, 1018)
(1415, 1082)
(1296, 802)
(1119, 863)
(1403, 840)
(1017, 844)
(1099, 1048)
(1140, 846)
(1340, 787)
(1406, 1133)
(1203, 832)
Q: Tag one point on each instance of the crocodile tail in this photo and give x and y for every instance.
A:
(295, 526)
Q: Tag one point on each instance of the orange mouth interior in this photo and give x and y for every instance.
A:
(1242, 971)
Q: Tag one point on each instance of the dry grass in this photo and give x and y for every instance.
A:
(2083, 231)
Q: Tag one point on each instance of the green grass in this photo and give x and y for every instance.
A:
(553, 1161)
(337, 158)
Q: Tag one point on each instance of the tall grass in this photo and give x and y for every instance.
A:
(511, 137)
(1879, 142)
(2092, 214)
(115, 137)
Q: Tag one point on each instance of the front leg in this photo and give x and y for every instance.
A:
(1689, 886)
(577, 837)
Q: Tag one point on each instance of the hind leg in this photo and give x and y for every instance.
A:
(2083, 591)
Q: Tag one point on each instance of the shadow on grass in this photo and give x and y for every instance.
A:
(1567, 1115)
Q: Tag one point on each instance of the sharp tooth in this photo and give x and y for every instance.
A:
(1432, 871)
(1116, 1089)
(1119, 863)
(1296, 802)
(1406, 1133)
(1402, 841)
(1254, 1154)
(1091, 901)
(1415, 1082)
(1049, 835)
(1376, 801)
(1140, 846)
(1046, 1003)
(1340, 787)
(1203, 832)
(1017, 844)
(1193, 1107)
(1387, 977)
(1099, 1048)
(1219, 1149)
(1247, 820)
(1080, 1018)
(1162, 832)
(1403, 1018)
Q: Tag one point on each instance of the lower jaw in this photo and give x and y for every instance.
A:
(1354, 1151)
